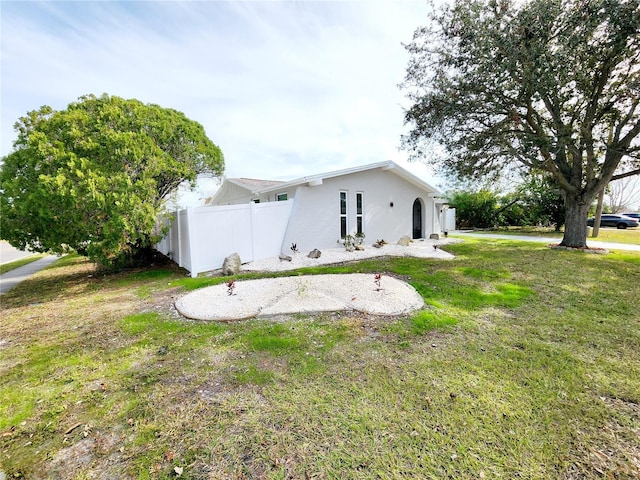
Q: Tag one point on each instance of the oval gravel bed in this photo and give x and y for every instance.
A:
(303, 294)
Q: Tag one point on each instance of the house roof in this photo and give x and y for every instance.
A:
(254, 184)
(258, 187)
(386, 165)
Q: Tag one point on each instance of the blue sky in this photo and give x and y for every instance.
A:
(286, 89)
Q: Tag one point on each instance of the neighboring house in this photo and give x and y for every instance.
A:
(381, 200)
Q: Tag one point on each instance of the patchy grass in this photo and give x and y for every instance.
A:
(524, 363)
(7, 267)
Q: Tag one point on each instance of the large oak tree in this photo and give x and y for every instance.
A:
(550, 85)
(94, 177)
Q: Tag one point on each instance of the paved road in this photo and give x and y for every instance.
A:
(10, 254)
(591, 243)
(17, 275)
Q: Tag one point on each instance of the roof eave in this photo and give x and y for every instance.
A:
(314, 180)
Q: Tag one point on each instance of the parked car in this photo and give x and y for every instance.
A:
(618, 221)
(635, 216)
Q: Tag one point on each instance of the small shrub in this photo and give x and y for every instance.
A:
(350, 242)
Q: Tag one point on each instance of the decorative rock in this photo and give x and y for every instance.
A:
(231, 265)
(359, 248)
(404, 241)
(377, 245)
(284, 258)
(434, 236)
(315, 253)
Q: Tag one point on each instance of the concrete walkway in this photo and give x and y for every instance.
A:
(591, 243)
(17, 275)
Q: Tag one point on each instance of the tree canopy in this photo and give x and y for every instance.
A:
(93, 177)
(546, 85)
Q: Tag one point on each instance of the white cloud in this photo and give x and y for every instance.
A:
(284, 88)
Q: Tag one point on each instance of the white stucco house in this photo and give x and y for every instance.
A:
(381, 200)
(262, 218)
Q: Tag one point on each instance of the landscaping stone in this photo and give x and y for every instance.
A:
(285, 258)
(231, 265)
(315, 253)
(268, 297)
(404, 241)
(434, 236)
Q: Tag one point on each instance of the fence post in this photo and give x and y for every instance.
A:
(179, 248)
(191, 244)
(252, 229)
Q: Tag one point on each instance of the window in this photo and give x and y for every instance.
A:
(343, 214)
(281, 197)
(359, 212)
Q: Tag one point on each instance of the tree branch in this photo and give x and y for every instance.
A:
(625, 174)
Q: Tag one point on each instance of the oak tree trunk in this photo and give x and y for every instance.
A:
(575, 230)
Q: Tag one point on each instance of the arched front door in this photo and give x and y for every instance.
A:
(417, 218)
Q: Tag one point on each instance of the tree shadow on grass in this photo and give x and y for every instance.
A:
(74, 275)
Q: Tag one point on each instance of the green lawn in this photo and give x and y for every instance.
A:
(630, 235)
(524, 364)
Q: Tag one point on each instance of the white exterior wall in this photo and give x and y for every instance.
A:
(273, 195)
(315, 219)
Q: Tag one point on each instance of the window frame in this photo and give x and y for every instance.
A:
(344, 213)
(359, 212)
(285, 194)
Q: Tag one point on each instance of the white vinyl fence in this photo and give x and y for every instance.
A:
(201, 238)
(450, 220)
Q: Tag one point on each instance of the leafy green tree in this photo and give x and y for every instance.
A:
(474, 209)
(94, 177)
(544, 202)
(550, 85)
(512, 211)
